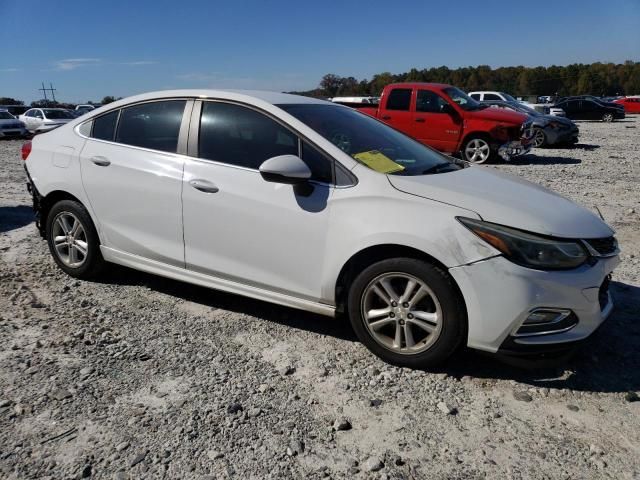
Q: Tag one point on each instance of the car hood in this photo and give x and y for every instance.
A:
(499, 115)
(506, 199)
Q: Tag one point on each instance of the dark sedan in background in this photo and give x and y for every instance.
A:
(577, 108)
(547, 129)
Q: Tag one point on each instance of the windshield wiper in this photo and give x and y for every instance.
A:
(439, 168)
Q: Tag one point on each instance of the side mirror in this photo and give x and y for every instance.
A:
(446, 108)
(289, 169)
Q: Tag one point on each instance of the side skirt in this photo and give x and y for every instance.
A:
(176, 273)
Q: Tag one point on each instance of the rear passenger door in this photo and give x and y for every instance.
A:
(238, 226)
(396, 109)
(132, 173)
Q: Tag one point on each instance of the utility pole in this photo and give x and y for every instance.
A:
(44, 90)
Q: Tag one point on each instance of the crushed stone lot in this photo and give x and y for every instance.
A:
(136, 376)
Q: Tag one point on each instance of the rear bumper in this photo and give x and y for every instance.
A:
(13, 133)
(37, 200)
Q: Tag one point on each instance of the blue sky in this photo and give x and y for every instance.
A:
(92, 48)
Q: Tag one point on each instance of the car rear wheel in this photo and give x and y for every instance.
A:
(607, 117)
(539, 138)
(73, 240)
(476, 150)
(407, 312)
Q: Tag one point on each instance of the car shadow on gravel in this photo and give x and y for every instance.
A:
(15, 217)
(533, 159)
(608, 362)
(301, 320)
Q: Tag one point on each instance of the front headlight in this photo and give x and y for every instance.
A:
(529, 249)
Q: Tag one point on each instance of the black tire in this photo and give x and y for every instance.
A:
(454, 319)
(464, 153)
(539, 138)
(92, 264)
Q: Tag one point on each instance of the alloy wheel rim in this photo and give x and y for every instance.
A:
(70, 240)
(538, 139)
(608, 117)
(477, 151)
(401, 313)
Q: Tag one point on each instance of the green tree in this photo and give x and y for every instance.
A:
(108, 99)
(10, 101)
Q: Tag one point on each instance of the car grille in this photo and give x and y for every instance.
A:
(603, 293)
(603, 246)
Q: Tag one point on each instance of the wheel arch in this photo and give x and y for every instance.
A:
(48, 201)
(375, 253)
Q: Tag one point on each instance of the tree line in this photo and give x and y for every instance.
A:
(48, 103)
(603, 79)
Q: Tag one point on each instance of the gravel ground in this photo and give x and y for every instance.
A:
(136, 376)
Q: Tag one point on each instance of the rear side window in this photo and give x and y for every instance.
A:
(491, 96)
(399, 99)
(241, 136)
(104, 127)
(154, 125)
(475, 96)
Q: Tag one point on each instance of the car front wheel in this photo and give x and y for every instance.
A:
(539, 138)
(407, 312)
(73, 240)
(476, 150)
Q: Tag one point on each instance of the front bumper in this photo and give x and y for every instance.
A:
(500, 295)
(555, 137)
(514, 148)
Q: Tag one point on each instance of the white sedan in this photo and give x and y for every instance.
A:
(316, 206)
(40, 120)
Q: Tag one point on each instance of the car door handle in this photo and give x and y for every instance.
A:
(420, 120)
(386, 117)
(204, 186)
(101, 161)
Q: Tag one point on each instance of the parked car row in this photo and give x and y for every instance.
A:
(588, 107)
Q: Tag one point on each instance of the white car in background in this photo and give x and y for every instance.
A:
(40, 120)
(486, 96)
(10, 126)
(316, 206)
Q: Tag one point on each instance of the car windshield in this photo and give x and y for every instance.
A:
(463, 100)
(57, 114)
(369, 141)
(6, 116)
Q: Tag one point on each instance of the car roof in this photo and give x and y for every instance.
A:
(274, 98)
(421, 84)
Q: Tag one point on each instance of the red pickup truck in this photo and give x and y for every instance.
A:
(447, 119)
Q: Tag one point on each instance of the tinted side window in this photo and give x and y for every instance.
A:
(104, 127)
(475, 96)
(321, 167)
(154, 125)
(491, 96)
(240, 136)
(428, 101)
(399, 99)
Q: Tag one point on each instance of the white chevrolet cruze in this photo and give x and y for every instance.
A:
(316, 206)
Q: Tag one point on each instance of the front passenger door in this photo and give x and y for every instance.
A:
(238, 226)
(436, 123)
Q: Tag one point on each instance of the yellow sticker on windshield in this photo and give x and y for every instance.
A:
(378, 161)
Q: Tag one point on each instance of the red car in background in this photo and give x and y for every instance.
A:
(447, 119)
(630, 104)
